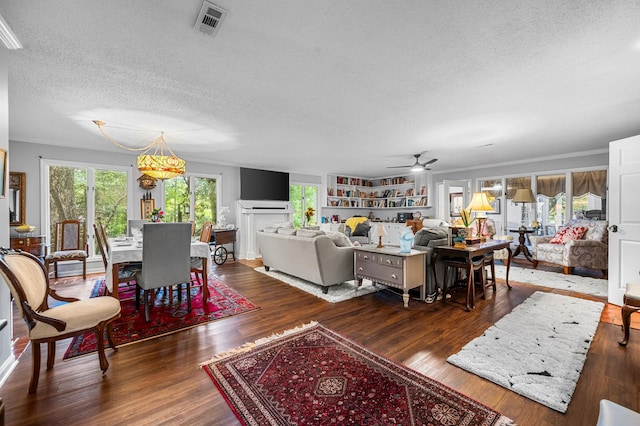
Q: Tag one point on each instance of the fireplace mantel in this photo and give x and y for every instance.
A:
(254, 215)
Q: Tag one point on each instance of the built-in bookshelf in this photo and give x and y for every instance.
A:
(381, 193)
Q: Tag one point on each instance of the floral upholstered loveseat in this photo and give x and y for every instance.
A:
(590, 251)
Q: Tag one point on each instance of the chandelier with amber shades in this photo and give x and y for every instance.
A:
(153, 161)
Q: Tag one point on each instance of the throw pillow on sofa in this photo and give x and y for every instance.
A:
(309, 233)
(339, 239)
(283, 225)
(424, 235)
(362, 230)
(567, 234)
(287, 231)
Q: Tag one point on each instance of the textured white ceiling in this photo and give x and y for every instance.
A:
(320, 87)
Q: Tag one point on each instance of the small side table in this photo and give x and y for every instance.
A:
(34, 244)
(522, 248)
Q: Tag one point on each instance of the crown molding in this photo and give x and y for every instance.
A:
(7, 36)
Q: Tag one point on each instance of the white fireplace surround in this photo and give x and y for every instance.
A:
(254, 215)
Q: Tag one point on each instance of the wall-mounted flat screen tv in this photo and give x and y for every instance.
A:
(258, 184)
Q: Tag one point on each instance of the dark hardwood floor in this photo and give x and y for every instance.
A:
(159, 382)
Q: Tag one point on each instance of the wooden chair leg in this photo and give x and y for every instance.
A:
(104, 364)
(51, 354)
(35, 361)
(188, 296)
(626, 322)
(146, 302)
(84, 269)
(110, 339)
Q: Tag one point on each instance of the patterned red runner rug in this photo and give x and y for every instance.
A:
(165, 318)
(312, 375)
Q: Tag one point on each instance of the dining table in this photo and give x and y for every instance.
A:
(128, 250)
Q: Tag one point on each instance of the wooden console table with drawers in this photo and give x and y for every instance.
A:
(35, 244)
(388, 266)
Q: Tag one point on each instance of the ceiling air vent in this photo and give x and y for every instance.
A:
(210, 18)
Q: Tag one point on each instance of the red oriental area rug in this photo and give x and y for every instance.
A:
(311, 375)
(165, 318)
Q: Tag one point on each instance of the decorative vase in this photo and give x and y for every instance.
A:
(469, 232)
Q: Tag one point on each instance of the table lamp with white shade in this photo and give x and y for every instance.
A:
(379, 230)
(480, 204)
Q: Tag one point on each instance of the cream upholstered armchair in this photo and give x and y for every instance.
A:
(29, 285)
(581, 243)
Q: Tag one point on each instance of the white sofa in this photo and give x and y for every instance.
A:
(310, 255)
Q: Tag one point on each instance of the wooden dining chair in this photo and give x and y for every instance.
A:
(126, 271)
(29, 284)
(198, 263)
(69, 244)
(166, 261)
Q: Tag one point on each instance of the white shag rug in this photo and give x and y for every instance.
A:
(586, 285)
(337, 293)
(538, 350)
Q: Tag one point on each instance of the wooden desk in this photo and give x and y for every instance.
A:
(522, 248)
(467, 253)
(388, 266)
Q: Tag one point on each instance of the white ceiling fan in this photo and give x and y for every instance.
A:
(417, 166)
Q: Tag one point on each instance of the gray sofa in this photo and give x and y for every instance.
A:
(310, 255)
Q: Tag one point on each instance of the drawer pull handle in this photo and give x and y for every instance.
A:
(365, 257)
(360, 269)
(394, 276)
(388, 261)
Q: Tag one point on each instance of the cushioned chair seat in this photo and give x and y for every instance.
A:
(67, 254)
(77, 316)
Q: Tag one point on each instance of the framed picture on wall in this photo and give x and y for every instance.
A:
(456, 200)
(496, 206)
(146, 208)
(3, 172)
